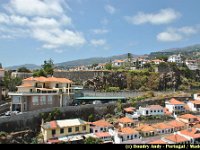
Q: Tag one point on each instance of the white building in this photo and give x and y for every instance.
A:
(126, 122)
(196, 96)
(192, 134)
(175, 58)
(175, 139)
(175, 106)
(192, 64)
(125, 134)
(157, 61)
(163, 128)
(194, 105)
(151, 110)
(118, 63)
(100, 126)
(104, 136)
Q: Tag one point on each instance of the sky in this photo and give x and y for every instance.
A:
(32, 31)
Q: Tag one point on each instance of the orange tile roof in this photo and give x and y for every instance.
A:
(173, 101)
(157, 60)
(176, 123)
(49, 79)
(145, 128)
(187, 116)
(119, 61)
(197, 126)
(176, 138)
(53, 124)
(25, 85)
(102, 123)
(187, 107)
(194, 133)
(162, 126)
(127, 130)
(195, 102)
(129, 109)
(155, 107)
(102, 134)
(158, 142)
(125, 120)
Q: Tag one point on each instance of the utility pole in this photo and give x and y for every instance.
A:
(1, 76)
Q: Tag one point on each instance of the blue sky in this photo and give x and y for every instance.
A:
(34, 30)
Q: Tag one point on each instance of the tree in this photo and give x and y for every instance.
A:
(23, 69)
(91, 117)
(91, 140)
(108, 66)
(162, 57)
(48, 66)
(129, 60)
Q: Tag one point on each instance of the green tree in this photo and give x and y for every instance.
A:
(91, 117)
(108, 66)
(23, 69)
(48, 66)
(91, 140)
(162, 57)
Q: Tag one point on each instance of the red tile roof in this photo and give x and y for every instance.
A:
(125, 120)
(166, 111)
(53, 124)
(188, 116)
(176, 123)
(129, 109)
(173, 101)
(161, 126)
(49, 79)
(102, 134)
(195, 102)
(145, 128)
(127, 130)
(102, 123)
(155, 107)
(176, 138)
(194, 133)
(158, 142)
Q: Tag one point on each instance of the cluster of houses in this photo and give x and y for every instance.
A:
(140, 61)
(183, 129)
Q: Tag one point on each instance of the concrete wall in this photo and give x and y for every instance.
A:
(32, 120)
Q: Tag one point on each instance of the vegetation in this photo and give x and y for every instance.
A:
(108, 66)
(10, 83)
(53, 115)
(47, 69)
(91, 118)
(113, 89)
(23, 69)
(91, 140)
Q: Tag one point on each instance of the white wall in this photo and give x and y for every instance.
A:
(191, 106)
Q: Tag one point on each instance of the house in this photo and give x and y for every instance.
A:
(64, 128)
(188, 119)
(129, 110)
(192, 64)
(192, 134)
(194, 105)
(100, 126)
(151, 110)
(175, 106)
(21, 75)
(41, 92)
(118, 63)
(147, 130)
(175, 58)
(104, 136)
(125, 134)
(157, 61)
(163, 128)
(175, 139)
(126, 122)
(177, 125)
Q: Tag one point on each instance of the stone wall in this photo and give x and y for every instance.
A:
(32, 120)
(79, 75)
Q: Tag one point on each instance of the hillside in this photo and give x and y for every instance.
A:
(190, 52)
(29, 66)
(91, 61)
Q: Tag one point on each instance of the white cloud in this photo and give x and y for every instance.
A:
(99, 42)
(42, 8)
(164, 16)
(104, 21)
(110, 9)
(43, 20)
(177, 34)
(100, 31)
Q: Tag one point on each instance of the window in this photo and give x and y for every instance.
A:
(101, 129)
(16, 99)
(57, 85)
(154, 110)
(151, 111)
(161, 110)
(77, 129)
(61, 131)
(53, 132)
(127, 137)
(43, 100)
(162, 131)
(158, 110)
(50, 100)
(84, 128)
(35, 100)
(69, 130)
(136, 136)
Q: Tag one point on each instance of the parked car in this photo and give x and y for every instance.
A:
(12, 113)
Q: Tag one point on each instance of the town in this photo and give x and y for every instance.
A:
(150, 118)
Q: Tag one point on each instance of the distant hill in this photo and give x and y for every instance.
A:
(191, 52)
(28, 66)
(90, 61)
